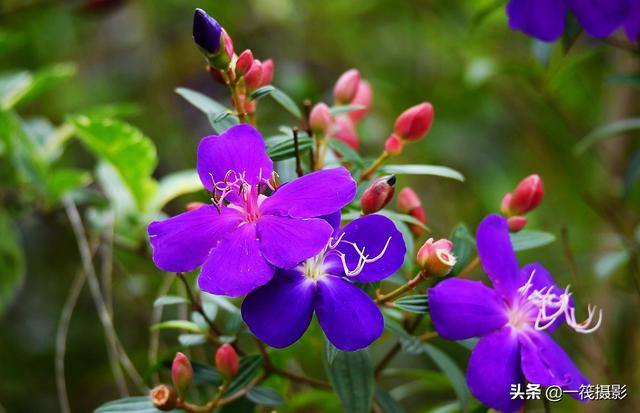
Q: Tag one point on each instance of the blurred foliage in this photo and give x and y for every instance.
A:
(506, 106)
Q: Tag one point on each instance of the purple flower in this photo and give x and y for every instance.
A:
(368, 249)
(510, 320)
(241, 237)
(545, 19)
(206, 31)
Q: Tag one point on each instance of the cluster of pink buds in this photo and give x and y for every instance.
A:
(525, 198)
(409, 203)
(436, 257)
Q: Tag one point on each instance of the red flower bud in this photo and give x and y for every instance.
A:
(363, 97)
(163, 397)
(516, 223)
(393, 145)
(505, 204)
(346, 86)
(320, 119)
(227, 43)
(244, 62)
(414, 123)
(227, 360)
(419, 214)
(181, 372)
(527, 195)
(408, 200)
(378, 194)
(435, 258)
(344, 130)
(267, 72)
(192, 206)
(253, 77)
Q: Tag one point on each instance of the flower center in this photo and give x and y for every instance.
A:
(314, 267)
(234, 185)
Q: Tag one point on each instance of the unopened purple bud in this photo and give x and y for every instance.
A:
(207, 32)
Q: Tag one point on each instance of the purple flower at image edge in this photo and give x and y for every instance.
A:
(244, 235)
(545, 19)
(509, 319)
(368, 249)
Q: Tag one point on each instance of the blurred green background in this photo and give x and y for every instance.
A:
(506, 106)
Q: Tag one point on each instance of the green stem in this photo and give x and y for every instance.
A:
(410, 285)
(374, 166)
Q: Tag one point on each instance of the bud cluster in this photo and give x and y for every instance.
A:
(525, 198)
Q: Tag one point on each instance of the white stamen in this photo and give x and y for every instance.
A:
(363, 258)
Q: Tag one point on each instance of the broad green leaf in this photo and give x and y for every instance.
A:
(200, 101)
(12, 261)
(409, 343)
(172, 186)
(343, 109)
(413, 303)
(451, 370)
(169, 300)
(141, 404)
(603, 132)
(19, 87)
(249, 367)
(286, 149)
(265, 396)
(61, 181)
(463, 246)
(347, 153)
(128, 150)
(531, 238)
(286, 102)
(351, 374)
(177, 325)
(204, 374)
(386, 402)
(221, 121)
(261, 92)
(434, 170)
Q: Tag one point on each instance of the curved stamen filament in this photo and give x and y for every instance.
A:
(363, 258)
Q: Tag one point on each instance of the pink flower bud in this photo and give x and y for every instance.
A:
(363, 97)
(527, 195)
(436, 258)
(419, 214)
(378, 194)
(163, 397)
(320, 119)
(346, 86)
(505, 204)
(227, 361)
(344, 130)
(516, 223)
(253, 77)
(408, 200)
(181, 372)
(228, 43)
(267, 72)
(244, 62)
(192, 206)
(414, 123)
(393, 145)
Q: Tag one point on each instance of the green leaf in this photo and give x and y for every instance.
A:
(64, 180)
(169, 300)
(603, 132)
(141, 404)
(386, 402)
(451, 370)
(221, 121)
(265, 396)
(343, 109)
(19, 87)
(205, 375)
(351, 374)
(124, 147)
(261, 92)
(177, 325)
(348, 154)
(463, 246)
(249, 366)
(529, 239)
(409, 343)
(435, 170)
(173, 186)
(286, 149)
(192, 340)
(286, 102)
(402, 217)
(12, 261)
(413, 303)
(200, 101)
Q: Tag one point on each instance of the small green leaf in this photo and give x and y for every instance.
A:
(177, 325)
(169, 300)
(261, 92)
(12, 261)
(343, 109)
(204, 374)
(286, 102)
(351, 374)
(192, 340)
(285, 150)
(173, 186)
(347, 153)
(221, 121)
(386, 402)
(200, 101)
(451, 370)
(64, 180)
(265, 396)
(413, 304)
(19, 87)
(529, 239)
(463, 246)
(603, 132)
(249, 366)
(141, 404)
(402, 217)
(409, 343)
(434, 170)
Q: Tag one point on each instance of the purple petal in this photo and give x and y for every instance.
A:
(546, 363)
(318, 193)
(279, 312)
(497, 256)
(541, 279)
(370, 233)
(182, 243)
(348, 316)
(599, 18)
(542, 19)
(239, 149)
(334, 220)
(285, 242)
(632, 22)
(236, 266)
(493, 367)
(462, 309)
